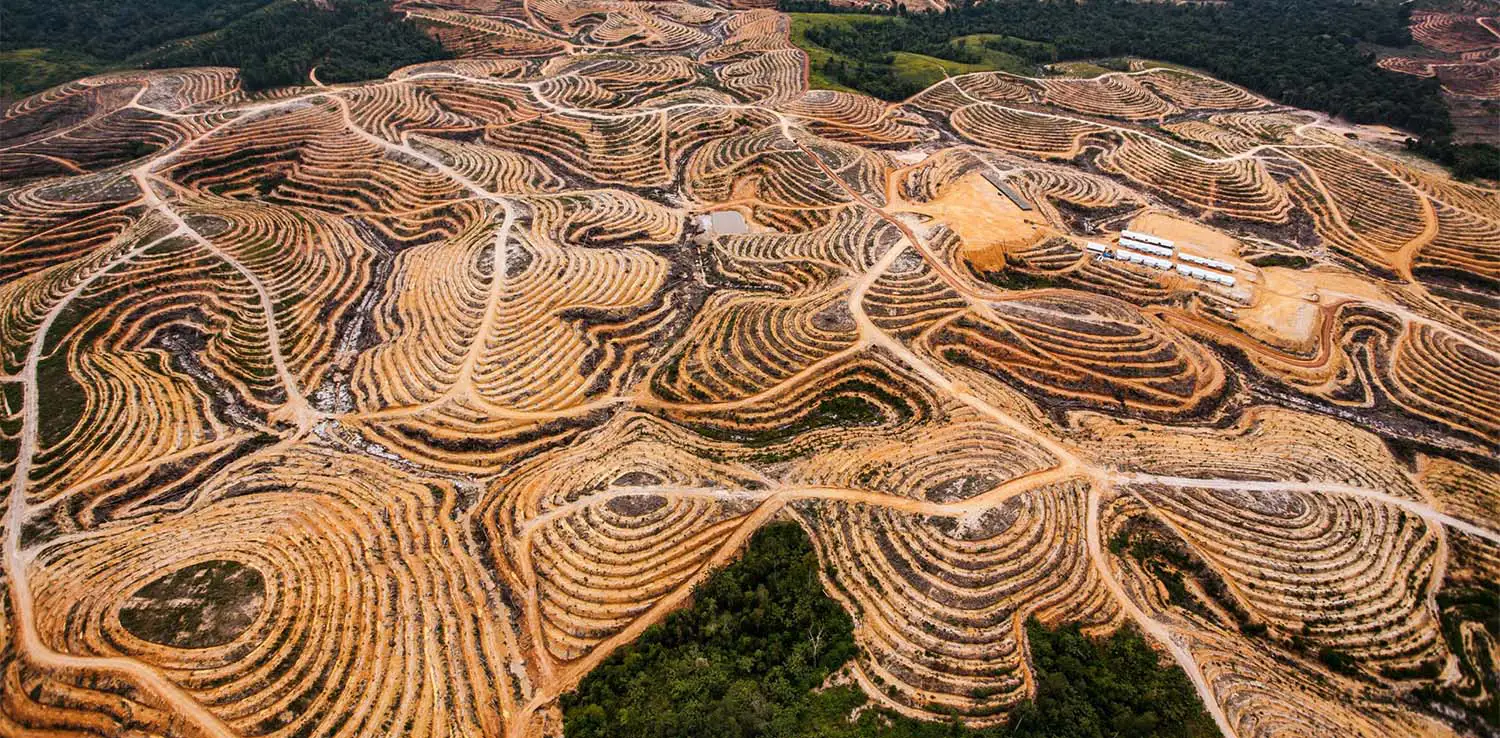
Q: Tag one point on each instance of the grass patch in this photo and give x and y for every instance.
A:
(926, 71)
(817, 56)
(910, 72)
(1081, 69)
(1008, 53)
(1290, 261)
(25, 70)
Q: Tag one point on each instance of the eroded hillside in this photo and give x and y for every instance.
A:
(393, 408)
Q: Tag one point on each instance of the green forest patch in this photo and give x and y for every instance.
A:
(748, 656)
(817, 56)
(1310, 54)
(27, 70)
(272, 42)
(912, 70)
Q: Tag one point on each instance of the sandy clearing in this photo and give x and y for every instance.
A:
(990, 225)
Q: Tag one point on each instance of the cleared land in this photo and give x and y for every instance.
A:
(1463, 53)
(395, 408)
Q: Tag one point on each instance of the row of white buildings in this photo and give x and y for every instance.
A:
(1157, 252)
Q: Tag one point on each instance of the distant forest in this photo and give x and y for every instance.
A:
(1308, 53)
(110, 29)
(273, 42)
(748, 657)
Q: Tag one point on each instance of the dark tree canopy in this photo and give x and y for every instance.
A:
(1313, 54)
(273, 43)
(746, 659)
(357, 39)
(110, 29)
(1307, 54)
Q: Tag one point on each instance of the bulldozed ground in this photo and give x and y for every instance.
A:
(395, 407)
(1463, 54)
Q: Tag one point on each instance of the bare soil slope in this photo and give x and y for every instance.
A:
(393, 408)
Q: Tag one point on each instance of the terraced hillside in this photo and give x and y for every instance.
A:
(1463, 53)
(394, 408)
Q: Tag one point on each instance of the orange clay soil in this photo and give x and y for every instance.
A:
(987, 223)
(393, 408)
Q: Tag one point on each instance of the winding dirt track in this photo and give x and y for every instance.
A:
(446, 360)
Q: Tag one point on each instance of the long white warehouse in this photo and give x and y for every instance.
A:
(1139, 258)
(1205, 261)
(1205, 275)
(1146, 247)
(1146, 237)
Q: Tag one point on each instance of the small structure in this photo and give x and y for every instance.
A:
(1205, 275)
(1205, 261)
(1133, 250)
(1149, 248)
(1135, 257)
(1005, 189)
(1146, 238)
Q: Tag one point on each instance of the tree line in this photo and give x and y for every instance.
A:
(747, 658)
(110, 29)
(1314, 55)
(273, 43)
(354, 40)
